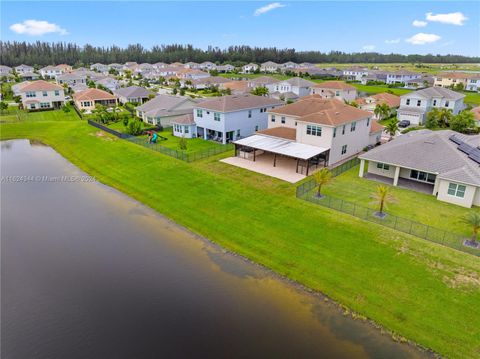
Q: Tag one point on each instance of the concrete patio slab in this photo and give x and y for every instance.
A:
(284, 170)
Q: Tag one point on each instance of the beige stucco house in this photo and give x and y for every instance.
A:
(40, 95)
(87, 99)
(443, 163)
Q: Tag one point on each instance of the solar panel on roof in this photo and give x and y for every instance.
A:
(455, 139)
(475, 157)
(466, 148)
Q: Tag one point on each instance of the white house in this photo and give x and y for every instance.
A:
(184, 126)
(473, 82)
(335, 89)
(415, 105)
(249, 68)
(295, 85)
(37, 95)
(21, 69)
(207, 66)
(270, 66)
(51, 72)
(5, 70)
(100, 68)
(228, 118)
(434, 161)
(225, 68)
(402, 76)
(72, 78)
(133, 94)
(108, 82)
(355, 73)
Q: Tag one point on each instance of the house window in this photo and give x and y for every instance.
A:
(368, 121)
(57, 93)
(283, 119)
(256, 128)
(447, 103)
(44, 105)
(335, 132)
(422, 176)
(199, 113)
(408, 101)
(337, 93)
(186, 130)
(343, 130)
(273, 118)
(383, 166)
(238, 133)
(216, 116)
(434, 102)
(249, 113)
(344, 149)
(353, 125)
(45, 93)
(314, 130)
(32, 106)
(31, 94)
(419, 102)
(456, 190)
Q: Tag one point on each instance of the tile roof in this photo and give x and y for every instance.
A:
(238, 102)
(336, 85)
(430, 151)
(93, 94)
(476, 113)
(263, 80)
(40, 85)
(186, 119)
(282, 132)
(316, 109)
(388, 98)
(376, 127)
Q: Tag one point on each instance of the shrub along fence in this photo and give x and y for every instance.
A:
(178, 154)
(306, 192)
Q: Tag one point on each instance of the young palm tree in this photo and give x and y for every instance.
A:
(392, 127)
(381, 111)
(473, 220)
(382, 197)
(322, 177)
(444, 117)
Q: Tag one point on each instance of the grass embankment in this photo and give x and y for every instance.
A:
(424, 292)
(419, 207)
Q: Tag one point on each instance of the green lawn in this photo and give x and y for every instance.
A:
(424, 67)
(472, 98)
(374, 89)
(419, 290)
(419, 207)
(14, 114)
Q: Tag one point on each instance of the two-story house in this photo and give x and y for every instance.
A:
(355, 73)
(51, 72)
(207, 66)
(102, 68)
(270, 66)
(401, 77)
(21, 69)
(450, 79)
(72, 79)
(228, 118)
(310, 132)
(296, 86)
(249, 68)
(41, 95)
(335, 89)
(415, 105)
(108, 82)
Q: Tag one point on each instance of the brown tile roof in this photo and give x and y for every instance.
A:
(93, 95)
(238, 102)
(184, 119)
(388, 98)
(453, 75)
(376, 127)
(282, 132)
(316, 109)
(40, 85)
(236, 85)
(336, 85)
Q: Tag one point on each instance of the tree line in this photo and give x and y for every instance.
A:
(45, 53)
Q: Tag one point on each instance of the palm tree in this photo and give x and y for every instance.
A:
(382, 197)
(322, 177)
(473, 220)
(381, 111)
(392, 127)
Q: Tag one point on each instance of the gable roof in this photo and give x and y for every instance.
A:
(387, 98)
(132, 91)
(40, 85)
(335, 85)
(436, 92)
(263, 80)
(165, 105)
(93, 94)
(430, 151)
(186, 119)
(299, 82)
(238, 102)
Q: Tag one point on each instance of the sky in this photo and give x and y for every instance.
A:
(406, 27)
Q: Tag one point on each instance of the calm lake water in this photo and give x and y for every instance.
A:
(90, 273)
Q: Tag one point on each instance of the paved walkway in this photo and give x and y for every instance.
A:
(284, 170)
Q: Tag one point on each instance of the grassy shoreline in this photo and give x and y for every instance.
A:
(421, 291)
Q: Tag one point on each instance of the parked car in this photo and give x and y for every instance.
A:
(404, 123)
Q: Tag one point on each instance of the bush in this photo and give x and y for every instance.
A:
(134, 127)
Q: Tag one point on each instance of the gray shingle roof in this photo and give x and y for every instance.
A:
(238, 102)
(430, 151)
(436, 92)
(165, 105)
(132, 91)
(298, 81)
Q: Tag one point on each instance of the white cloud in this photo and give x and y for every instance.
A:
(419, 23)
(37, 28)
(393, 41)
(368, 47)
(453, 18)
(267, 8)
(422, 39)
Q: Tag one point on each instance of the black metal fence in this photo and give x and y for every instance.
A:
(178, 154)
(345, 166)
(307, 192)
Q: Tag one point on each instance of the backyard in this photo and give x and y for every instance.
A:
(14, 114)
(420, 291)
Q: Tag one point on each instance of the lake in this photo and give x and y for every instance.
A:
(87, 272)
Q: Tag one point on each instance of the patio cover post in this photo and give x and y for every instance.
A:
(274, 160)
(362, 168)
(397, 174)
(205, 133)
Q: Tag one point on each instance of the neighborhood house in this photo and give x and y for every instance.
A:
(164, 109)
(88, 99)
(37, 95)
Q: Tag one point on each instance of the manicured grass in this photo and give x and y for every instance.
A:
(253, 76)
(422, 291)
(419, 207)
(374, 89)
(424, 67)
(14, 114)
(472, 98)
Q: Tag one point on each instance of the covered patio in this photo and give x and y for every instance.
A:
(417, 186)
(278, 157)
